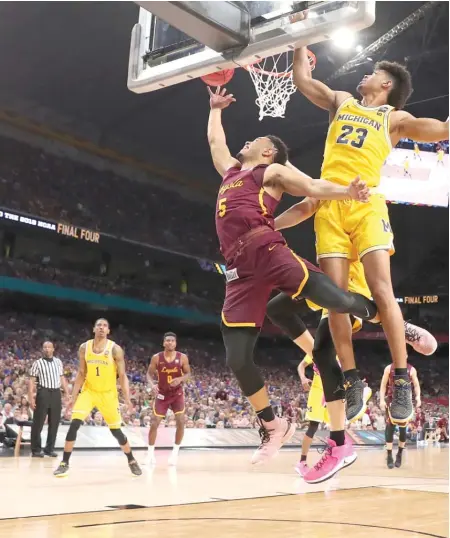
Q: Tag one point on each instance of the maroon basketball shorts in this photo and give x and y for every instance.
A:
(264, 264)
(164, 402)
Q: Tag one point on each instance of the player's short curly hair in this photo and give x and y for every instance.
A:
(401, 82)
(282, 154)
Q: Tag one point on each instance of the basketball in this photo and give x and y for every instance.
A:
(218, 79)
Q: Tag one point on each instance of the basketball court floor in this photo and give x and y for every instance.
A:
(217, 493)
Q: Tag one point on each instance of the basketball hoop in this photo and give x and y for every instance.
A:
(274, 84)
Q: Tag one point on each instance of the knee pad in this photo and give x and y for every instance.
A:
(119, 435)
(402, 434)
(73, 428)
(389, 433)
(312, 429)
(239, 345)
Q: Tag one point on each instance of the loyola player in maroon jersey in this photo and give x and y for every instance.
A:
(387, 382)
(172, 369)
(258, 261)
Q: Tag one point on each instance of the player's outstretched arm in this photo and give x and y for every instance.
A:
(383, 385)
(118, 356)
(296, 214)
(81, 374)
(315, 91)
(220, 153)
(296, 183)
(151, 373)
(419, 129)
(416, 385)
(301, 369)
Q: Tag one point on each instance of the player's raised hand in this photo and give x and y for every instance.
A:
(220, 99)
(358, 190)
(299, 16)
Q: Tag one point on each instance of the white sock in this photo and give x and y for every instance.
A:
(175, 450)
(151, 450)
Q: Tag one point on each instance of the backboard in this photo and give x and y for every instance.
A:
(161, 55)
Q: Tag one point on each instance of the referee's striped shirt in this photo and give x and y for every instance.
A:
(48, 372)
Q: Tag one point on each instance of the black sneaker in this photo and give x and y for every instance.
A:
(398, 460)
(356, 397)
(50, 454)
(134, 468)
(62, 470)
(390, 461)
(401, 408)
(37, 455)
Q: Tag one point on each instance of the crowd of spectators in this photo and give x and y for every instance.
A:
(137, 288)
(213, 398)
(67, 191)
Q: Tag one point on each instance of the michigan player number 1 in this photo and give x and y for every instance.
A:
(98, 371)
(222, 207)
(347, 130)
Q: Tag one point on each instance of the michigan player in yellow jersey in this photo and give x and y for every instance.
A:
(102, 361)
(361, 135)
(325, 398)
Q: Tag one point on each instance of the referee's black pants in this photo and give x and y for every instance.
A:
(48, 402)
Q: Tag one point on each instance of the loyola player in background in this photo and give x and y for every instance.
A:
(258, 261)
(101, 362)
(359, 140)
(387, 382)
(172, 369)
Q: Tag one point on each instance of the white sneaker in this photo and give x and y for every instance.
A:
(173, 460)
(151, 460)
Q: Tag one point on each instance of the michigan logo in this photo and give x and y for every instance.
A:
(386, 226)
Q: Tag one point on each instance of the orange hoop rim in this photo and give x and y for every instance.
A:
(281, 74)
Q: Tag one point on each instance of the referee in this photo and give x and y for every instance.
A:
(47, 372)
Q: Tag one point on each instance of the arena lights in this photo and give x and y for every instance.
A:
(343, 38)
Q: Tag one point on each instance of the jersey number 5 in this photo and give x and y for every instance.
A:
(222, 207)
(347, 130)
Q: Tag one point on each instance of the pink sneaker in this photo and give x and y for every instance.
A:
(421, 340)
(333, 460)
(301, 468)
(273, 435)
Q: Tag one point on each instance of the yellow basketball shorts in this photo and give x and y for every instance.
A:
(316, 409)
(350, 229)
(106, 402)
(357, 284)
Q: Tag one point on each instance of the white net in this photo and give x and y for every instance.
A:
(272, 78)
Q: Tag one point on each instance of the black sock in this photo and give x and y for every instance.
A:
(266, 414)
(338, 437)
(400, 450)
(401, 371)
(302, 458)
(351, 375)
(129, 456)
(389, 452)
(66, 457)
